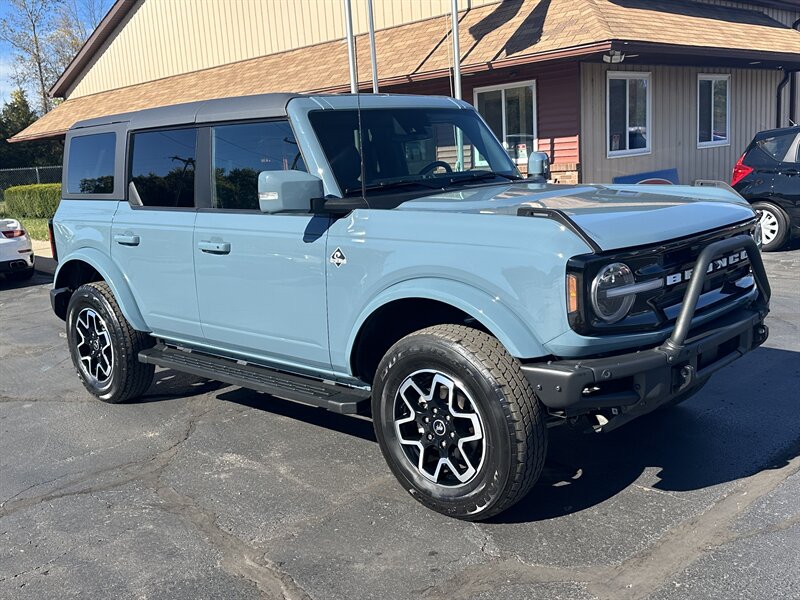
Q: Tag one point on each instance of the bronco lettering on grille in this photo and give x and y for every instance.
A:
(716, 265)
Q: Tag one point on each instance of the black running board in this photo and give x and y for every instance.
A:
(337, 398)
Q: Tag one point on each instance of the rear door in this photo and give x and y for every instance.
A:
(260, 277)
(152, 234)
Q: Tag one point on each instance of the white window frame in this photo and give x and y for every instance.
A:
(535, 108)
(714, 77)
(627, 75)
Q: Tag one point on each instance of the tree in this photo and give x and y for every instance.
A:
(15, 116)
(45, 36)
(26, 28)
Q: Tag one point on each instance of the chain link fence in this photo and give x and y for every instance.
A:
(28, 175)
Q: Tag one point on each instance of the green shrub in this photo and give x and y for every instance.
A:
(38, 200)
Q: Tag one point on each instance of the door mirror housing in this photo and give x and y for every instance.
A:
(287, 191)
(538, 166)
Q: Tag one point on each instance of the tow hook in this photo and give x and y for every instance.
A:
(687, 376)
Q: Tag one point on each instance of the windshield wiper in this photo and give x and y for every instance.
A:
(392, 185)
(477, 176)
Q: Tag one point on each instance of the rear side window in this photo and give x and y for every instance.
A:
(162, 167)
(91, 164)
(240, 152)
(778, 147)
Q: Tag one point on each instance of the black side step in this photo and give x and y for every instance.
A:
(336, 398)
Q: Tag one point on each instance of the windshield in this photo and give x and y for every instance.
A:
(406, 147)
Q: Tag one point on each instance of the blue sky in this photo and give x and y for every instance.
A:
(6, 56)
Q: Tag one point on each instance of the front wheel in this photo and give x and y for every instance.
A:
(457, 421)
(774, 226)
(104, 347)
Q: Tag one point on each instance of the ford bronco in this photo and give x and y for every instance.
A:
(382, 255)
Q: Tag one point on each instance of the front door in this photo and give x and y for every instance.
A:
(152, 234)
(260, 277)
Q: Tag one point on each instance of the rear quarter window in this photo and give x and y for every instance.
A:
(778, 147)
(91, 164)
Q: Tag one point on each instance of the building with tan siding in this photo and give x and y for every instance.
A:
(689, 82)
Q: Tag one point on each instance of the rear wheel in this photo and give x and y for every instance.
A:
(457, 422)
(104, 347)
(774, 226)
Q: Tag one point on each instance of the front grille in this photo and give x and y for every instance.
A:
(672, 263)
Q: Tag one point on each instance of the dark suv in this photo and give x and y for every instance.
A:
(768, 176)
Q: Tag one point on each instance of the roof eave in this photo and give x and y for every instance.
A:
(789, 61)
(102, 32)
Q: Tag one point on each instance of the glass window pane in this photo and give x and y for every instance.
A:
(162, 167)
(637, 113)
(91, 164)
(490, 106)
(778, 147)
(519, 123)
(720, 131)
(617, 120)
(704, 111)
(241, 152)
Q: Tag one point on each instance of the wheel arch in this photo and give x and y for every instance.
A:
(87, 265)
(412, 305)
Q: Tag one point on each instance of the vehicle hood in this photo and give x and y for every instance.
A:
(613, 216)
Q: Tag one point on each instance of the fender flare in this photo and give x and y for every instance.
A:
(500, 320)
(115, 279)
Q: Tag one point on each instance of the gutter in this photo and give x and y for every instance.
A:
(789, 75)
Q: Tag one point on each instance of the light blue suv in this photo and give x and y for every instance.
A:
(383, 255)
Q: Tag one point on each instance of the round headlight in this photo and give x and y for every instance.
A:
(608, 305)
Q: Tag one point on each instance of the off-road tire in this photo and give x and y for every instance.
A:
(782, 221)
(129, 378)
(513, 419)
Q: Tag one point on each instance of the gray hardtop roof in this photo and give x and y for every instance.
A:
(258, 106)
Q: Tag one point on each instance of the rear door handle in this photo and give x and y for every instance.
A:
(127, 239)
(214, 247)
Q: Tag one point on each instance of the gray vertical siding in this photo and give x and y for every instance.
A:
(674, 122)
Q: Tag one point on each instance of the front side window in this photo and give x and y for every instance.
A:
(91, 164)
(713, 114)
(511, 114)
(407, 149)
(628, 114)
(162, 167)
(240, 152)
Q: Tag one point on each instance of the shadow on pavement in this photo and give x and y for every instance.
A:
(742, 423)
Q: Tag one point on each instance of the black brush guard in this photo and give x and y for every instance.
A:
(629, 385)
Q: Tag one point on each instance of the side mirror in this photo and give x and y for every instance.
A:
(287, 191)
(538, 166)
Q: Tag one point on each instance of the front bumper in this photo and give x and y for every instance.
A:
(628, 385)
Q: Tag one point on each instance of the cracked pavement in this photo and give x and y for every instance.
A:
(203, 490)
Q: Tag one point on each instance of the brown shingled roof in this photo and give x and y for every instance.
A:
(495, 35)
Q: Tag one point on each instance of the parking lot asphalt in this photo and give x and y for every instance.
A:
(202, 490)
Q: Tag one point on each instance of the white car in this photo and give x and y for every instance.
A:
(16, 251)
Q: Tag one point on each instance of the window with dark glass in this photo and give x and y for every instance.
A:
(91, 164)
(712, 110)
(778, 147)
(240, 152)
(162, 167)
(628, 113)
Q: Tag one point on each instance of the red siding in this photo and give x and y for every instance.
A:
(557, 101)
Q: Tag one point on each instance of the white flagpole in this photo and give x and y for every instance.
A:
(351, 46)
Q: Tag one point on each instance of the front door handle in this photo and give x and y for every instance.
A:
(214, 247)
(127, 239)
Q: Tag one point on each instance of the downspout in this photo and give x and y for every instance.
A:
(793, 88)
(787, 75)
